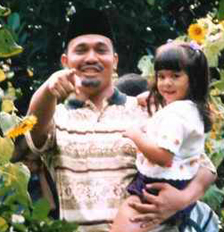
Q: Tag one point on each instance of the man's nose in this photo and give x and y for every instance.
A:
(91, 56)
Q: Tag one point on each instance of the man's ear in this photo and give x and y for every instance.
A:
(116, 60)
(64, 60)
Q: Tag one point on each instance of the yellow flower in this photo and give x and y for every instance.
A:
(24, 126)
(209, 146)
(196, 32)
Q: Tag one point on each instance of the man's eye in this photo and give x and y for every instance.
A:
(101, 50)
(79, 51)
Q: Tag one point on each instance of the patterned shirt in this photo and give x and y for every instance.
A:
(90, 161)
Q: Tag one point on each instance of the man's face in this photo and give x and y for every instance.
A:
(94, 60)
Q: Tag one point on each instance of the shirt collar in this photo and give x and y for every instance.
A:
(117, 98)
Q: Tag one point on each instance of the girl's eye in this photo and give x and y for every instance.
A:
(160, 77)
(176, 75)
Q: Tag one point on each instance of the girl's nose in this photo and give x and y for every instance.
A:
(168, 81)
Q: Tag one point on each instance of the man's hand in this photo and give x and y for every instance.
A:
(64, 82)
(159, 208)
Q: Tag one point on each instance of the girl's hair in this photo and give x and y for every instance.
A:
(181, 56)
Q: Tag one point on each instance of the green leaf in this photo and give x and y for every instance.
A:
(8, 121)
(14, 21)
(4, 11)
(220, 14)
(218, 84)
(151, 2)
(3, 224)
(15, 178)
(41, 209)
(20, 227)
(6, 150)
(214, 197)
(8, 46)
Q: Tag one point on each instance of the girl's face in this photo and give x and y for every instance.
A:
(172, 85)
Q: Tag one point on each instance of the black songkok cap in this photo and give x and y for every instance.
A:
(89, 21)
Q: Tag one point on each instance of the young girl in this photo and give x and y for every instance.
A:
(172, 148)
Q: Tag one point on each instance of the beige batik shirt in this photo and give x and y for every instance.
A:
(93, 163)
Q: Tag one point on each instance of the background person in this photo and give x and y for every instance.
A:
(132, 84)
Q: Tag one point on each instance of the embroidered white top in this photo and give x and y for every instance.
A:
(178, 127)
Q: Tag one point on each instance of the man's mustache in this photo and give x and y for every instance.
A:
(97, 67)
(90, 83)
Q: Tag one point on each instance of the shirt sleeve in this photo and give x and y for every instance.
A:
(171, 133)
(49, 143)
(207, 163)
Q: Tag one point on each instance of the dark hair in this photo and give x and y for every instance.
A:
(132, 84)
(179, 56)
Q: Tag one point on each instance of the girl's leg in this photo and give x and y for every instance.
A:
(122, 221)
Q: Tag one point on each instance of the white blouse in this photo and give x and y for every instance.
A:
(178, 127)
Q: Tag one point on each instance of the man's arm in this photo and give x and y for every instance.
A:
(44, 101)
(170, 200)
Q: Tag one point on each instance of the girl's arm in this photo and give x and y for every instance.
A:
(150, 150)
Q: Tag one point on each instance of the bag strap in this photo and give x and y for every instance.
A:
(191, 223)
(208, 220)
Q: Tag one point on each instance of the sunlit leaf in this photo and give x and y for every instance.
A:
(4, 11)
(2, 75)
(11, 91)
(16, 177)
(3, 224)
(214, 197)
(151, 2)
(30, 72)
(8, 105)
(8, 121)
(6, 150)
(8, 46)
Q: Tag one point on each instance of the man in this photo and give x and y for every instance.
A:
(83, 146)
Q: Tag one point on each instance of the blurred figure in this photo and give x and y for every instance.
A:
(132, 84)
(41, 184)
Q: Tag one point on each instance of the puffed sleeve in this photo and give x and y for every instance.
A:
(171, 132)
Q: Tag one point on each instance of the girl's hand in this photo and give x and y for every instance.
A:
(132, 133)
(142, 98)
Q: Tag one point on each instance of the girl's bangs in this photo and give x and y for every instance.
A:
(169, 60)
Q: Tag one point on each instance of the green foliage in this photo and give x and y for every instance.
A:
(214, 197)
(17, 212)
(8, 46)
(220, 15)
